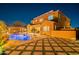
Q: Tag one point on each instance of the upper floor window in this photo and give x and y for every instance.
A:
(50, 17)
(36, 20)
(41, 19)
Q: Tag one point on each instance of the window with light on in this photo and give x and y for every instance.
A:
(50, 17)
(46, 28)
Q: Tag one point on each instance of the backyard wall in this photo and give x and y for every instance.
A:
(64, 34)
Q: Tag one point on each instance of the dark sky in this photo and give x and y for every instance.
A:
(26, 12)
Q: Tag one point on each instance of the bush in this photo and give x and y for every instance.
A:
(1, 46)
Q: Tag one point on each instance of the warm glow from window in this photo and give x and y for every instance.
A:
(41, 19)
(46, 28)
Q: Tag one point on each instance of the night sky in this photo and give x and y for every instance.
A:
(26, 12)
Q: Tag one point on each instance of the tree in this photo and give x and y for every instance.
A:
(3, 28)
(1, 46)
(18, 23)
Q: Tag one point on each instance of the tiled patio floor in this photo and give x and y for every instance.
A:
(46, 46)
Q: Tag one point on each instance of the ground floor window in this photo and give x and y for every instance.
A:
(46, 28)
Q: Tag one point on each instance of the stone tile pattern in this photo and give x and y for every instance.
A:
(46, 46)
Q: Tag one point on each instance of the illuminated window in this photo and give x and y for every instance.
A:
(55, 27)
(51, 17)
(41, 19)
(36, 20)
(46, 28)
(64, 27)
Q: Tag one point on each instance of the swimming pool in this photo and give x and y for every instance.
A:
(19, 37)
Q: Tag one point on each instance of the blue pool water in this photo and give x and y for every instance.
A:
(19, 37)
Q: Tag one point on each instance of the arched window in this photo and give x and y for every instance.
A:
(50, 17)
